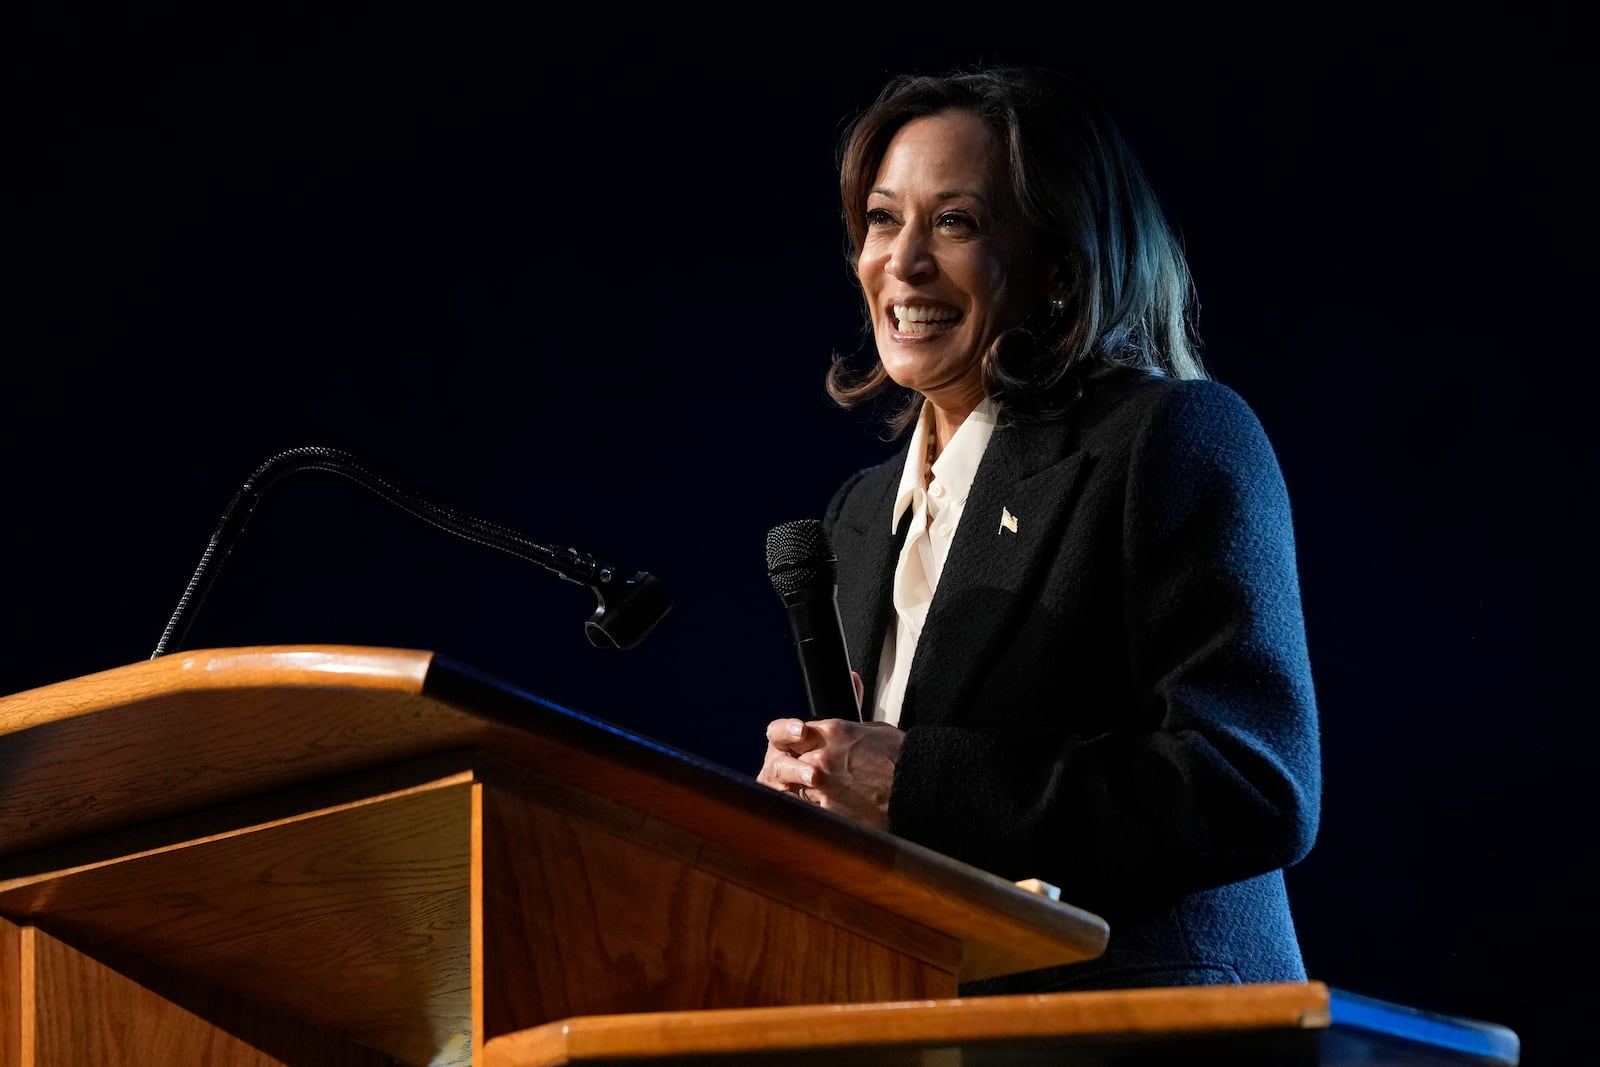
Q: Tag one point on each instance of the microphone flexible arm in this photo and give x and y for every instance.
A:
(634, 607)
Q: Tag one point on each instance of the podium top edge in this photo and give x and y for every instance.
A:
(336, 666)
(186, 732)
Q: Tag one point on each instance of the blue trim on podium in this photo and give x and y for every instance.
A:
(1363, 1026)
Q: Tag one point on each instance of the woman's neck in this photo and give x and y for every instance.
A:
(944, 424)
(940, 426)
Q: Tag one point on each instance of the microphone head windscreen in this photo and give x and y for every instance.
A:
(799, 556)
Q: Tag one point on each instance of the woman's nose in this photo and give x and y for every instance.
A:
(911, 257)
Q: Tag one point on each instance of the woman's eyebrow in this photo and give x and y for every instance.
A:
(946, 194)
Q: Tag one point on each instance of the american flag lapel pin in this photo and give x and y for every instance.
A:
(1008, 521)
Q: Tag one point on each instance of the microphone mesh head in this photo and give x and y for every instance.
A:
(799, 556)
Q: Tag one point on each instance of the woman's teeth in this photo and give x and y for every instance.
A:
(920, 319)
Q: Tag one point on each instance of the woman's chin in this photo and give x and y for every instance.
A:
(929, 367)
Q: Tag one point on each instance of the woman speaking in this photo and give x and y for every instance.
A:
(1072, 597)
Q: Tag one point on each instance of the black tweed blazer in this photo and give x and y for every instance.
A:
(1116, 696)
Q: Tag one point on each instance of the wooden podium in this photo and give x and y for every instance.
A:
(320, 855)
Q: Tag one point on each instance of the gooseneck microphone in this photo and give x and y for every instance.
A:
(801, 564)
(629, 608)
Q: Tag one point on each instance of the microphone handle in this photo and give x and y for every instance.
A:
(824, 662)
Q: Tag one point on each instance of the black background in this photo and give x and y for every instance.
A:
(580, 276)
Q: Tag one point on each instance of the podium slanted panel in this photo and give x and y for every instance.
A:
(335, 854)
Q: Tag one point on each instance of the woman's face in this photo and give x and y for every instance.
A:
(938, 261)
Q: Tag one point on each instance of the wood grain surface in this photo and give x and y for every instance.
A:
(1070, 1028)
(187, 733)
(410, 855)
(581, 918)
(98, 1017)
(353, 919)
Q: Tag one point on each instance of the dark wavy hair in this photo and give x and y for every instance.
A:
(1078, 190)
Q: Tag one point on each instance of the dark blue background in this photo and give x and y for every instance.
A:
(582, 279)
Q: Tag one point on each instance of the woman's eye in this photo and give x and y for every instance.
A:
(955, 220)
(878, 217)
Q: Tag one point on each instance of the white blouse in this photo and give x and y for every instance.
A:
(934, 513)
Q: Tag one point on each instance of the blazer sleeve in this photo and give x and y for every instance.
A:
(1215, 775)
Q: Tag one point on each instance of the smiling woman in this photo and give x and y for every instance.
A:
(1072, 599)
(937, 260)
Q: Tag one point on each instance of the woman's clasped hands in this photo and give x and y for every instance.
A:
(841, 766)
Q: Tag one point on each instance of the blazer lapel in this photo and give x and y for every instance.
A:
(862, 537)
(1013, 520)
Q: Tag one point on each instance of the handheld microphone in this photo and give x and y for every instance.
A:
(804, 571)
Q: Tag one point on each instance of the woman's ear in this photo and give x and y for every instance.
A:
(1057, 288)
(1059, 283)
